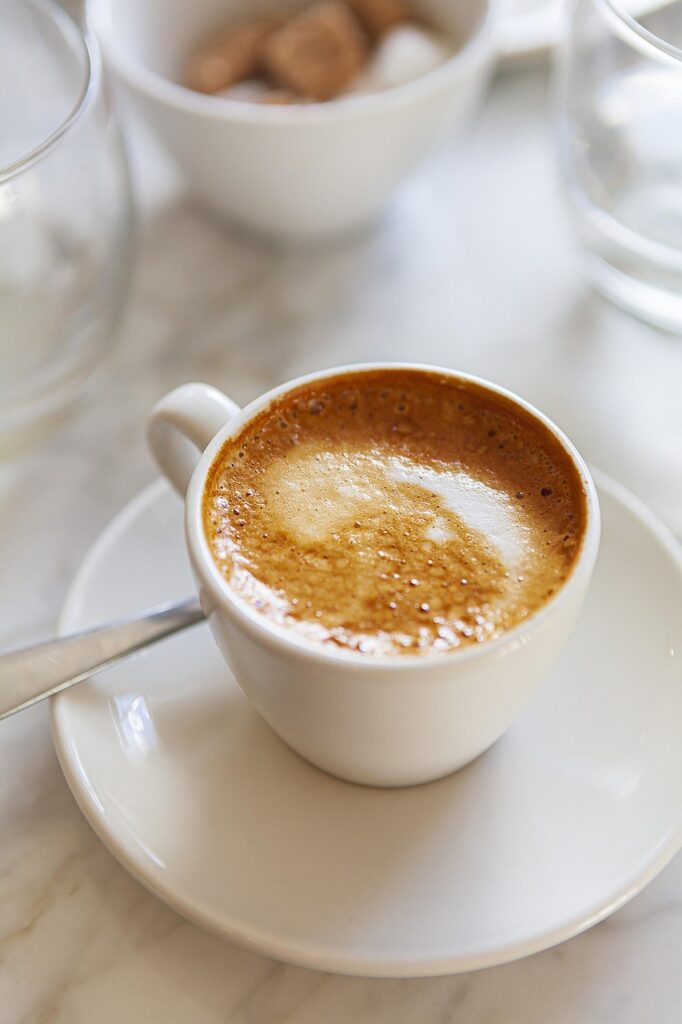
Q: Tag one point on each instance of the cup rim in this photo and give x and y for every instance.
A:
(92, 74)
(278, 636)
(179, 97)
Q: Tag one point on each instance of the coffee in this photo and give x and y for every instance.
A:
(394, 512)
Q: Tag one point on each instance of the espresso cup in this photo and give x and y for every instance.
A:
(372, 719)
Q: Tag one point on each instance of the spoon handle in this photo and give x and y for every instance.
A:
(33, 673)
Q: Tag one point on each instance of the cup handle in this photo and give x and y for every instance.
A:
(182, 424)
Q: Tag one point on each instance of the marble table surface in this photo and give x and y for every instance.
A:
(471, 267)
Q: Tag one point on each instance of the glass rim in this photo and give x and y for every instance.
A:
(90, 83)
(645, 37)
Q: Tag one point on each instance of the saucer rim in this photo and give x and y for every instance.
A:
(269, 942)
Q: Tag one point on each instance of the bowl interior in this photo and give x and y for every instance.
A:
(160, 34)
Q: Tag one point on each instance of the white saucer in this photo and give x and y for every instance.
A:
(563, 821)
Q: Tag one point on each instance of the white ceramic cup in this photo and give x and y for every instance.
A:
(378, 720)
(297, 172)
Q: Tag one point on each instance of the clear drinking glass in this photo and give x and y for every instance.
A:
(64, 215)
(620, 138)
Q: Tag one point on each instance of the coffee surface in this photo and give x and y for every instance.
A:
(394, 512)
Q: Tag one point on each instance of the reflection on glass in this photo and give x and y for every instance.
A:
(64, 215)
(620, 134)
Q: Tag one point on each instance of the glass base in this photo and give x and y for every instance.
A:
(655, 305)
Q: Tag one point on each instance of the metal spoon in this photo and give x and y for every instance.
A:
(33, 673)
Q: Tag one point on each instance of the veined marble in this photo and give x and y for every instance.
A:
(471, 267)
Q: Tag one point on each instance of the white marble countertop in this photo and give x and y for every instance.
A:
(471, 267)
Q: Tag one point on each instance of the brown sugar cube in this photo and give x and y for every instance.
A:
(378, 16)
(278, 98)
(318, 52)
(228, 56)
